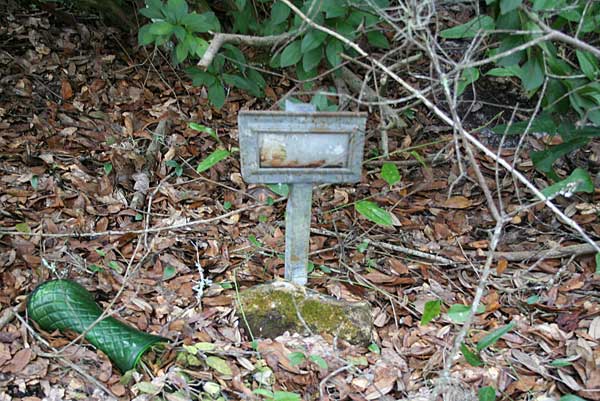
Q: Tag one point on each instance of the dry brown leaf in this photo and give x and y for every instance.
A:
(457, 202)
(19, 360)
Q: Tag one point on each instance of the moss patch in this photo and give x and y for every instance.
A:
(274, 308)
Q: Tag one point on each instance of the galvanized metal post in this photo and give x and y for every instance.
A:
(297, 232)
(297, 219)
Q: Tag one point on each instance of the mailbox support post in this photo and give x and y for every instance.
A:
(297, 232)
(297, 219)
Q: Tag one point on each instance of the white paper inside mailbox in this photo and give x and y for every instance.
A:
(304, 150)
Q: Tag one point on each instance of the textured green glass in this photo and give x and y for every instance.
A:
(65, 305)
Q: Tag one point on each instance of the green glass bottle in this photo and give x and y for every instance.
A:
(65, 305)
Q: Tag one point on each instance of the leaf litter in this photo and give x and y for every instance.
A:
(78, 114)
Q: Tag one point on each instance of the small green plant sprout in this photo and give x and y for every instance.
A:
(431, 311)
(203, 128)
(362, 247)
(487, 393)
(390, 173)
(277, 395)
(178, 168)
(108, 167)
(212, 159)
(472, 357)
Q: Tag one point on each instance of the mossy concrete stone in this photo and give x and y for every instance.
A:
(273, 308)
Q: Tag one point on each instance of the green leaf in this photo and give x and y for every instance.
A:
(181, 51)
(219, 364)
(169, 272)
(236, 56)
(161, 28)
(179, 8)
(313, 39)
(598, 263)
(507, 6)
(199, 22)
(263, 392)
(487, 393)
(532, 299)
(151, 12)
(333, 50)
(145, 37)
(204, 128)
(471, 357)
(390, 173)
(543, 123)
(431, 311)
(467, 77)
(319, 361)
(588, 64)
(296, 358)
(571, 397)
(115, 266)
(532, 76)
(216, 94)
(544, 160)
(243, 83)
(291, 54)
(458, 313)
(320, 101)
(335, 8)
(578, 181)
(178, 168)
(374, 348)
(469, 29)
(494, 336)
(254, 241)
(95, 268)
(212, 159)
(312, 58)
(285, 396)
(546, 4)
(108, 167)
(279, 189)
(561, 362)
(362, 247)
(148, 388)
(279, 12)
(23, 228)
(373, 213)
(378, 39)
(510, 71)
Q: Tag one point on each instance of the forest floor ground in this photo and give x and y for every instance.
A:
(79, 108)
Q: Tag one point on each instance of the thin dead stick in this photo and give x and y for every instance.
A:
(77, 369)
(448, 120)
(9, 313)
(458, 340)
(142, 231)
(518, 256)
(390, 247)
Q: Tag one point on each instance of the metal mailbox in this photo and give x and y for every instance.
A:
(300, 147)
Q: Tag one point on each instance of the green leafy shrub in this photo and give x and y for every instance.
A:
(572, 74)
(187, 33)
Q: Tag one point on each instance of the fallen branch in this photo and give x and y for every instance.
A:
(221, 39)
(518, 256)
(390, 247)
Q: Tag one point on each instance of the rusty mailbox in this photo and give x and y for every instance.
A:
(300, 147)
